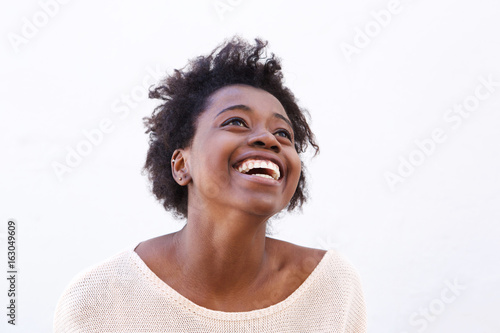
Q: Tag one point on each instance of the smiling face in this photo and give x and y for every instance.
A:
(242, 155)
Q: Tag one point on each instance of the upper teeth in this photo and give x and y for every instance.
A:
(249, 164)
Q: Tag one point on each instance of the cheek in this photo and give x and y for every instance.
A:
(212, 189)
(205, 179)
(297, 166)
(210, 174)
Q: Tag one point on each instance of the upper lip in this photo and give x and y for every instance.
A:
(261, 156)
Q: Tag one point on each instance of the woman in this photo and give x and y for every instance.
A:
(224, 155)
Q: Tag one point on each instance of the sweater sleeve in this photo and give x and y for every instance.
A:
(76, 305)
(89, 298)
(356, 317)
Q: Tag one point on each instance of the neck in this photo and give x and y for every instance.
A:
(223, 253)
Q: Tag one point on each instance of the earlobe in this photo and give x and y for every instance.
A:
(180, 170)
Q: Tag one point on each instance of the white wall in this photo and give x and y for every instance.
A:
(438, 225)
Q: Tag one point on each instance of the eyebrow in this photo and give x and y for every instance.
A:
(247, 108)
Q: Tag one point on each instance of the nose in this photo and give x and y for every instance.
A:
(265, 139)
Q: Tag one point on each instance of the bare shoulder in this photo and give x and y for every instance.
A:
(295, 256)
(156, 252)
(294, 250)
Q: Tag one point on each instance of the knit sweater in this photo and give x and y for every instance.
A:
(122, 294)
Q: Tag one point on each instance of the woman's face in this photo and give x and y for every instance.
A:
(242, 155)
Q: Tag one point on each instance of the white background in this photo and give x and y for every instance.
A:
(409, 242)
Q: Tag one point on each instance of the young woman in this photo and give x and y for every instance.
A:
(224, 154)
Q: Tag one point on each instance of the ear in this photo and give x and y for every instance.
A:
(180, 170)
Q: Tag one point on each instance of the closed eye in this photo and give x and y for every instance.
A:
(235, 121)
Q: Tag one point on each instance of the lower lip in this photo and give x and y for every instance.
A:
(260, 180)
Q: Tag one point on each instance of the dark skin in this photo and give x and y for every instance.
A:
(221, 259)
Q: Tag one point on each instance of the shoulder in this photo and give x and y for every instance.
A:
(291, 253)
(335, 285)
(330, 281)
(113, 267)
(339, 287)
(90, 290)
(303, 256)
(293, 263)
(330, 272)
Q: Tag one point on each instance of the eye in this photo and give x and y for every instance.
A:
(284, 133)
(235, 121)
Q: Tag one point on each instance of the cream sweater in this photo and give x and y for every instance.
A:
(123, 295)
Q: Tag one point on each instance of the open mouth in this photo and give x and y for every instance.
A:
(259, 168)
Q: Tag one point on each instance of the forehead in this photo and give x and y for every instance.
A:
(240, 94)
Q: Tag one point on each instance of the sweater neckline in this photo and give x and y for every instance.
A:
(222, 315)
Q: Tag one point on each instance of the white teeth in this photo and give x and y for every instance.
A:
(264, 176)
(251, 164)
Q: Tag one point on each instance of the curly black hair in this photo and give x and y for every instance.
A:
(185, 95)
